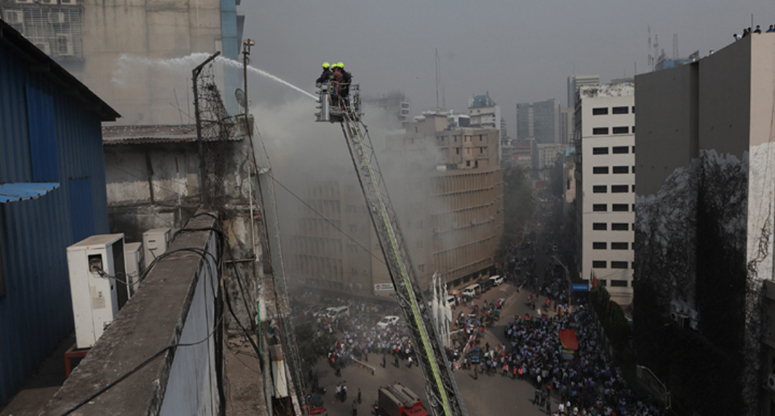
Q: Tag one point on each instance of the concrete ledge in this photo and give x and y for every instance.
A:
(150, 322)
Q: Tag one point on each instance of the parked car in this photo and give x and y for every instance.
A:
(471, 291)
(338, 312)
(387, 321)
(318, 310)
(497, 280)
(486, 284)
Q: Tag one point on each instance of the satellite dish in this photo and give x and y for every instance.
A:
(240, 95)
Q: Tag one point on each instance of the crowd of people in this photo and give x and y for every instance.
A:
(586, 382)
(358, 335)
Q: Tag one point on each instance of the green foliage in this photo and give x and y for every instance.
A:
(556, 184)
(518, 203)
(612, 318)
(313, 343)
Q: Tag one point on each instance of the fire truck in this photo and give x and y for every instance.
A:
(398, 400)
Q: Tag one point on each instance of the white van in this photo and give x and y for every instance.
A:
(339, 312)
(472, 290)
(497, 280)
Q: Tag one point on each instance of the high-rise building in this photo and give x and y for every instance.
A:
(539, 120)
(605, 186)
(525, 121)
(704, 228)
(111, 45)
(484, 112)
(395, 103)
(566, 125)
(576, 81)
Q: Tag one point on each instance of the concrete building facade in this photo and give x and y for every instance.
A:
(605, 186)
(447, 189)
(112, 45)
(704, 227)
(484, 112)
(575, 82)
(541, 121)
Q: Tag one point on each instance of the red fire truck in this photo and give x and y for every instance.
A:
(398, 400)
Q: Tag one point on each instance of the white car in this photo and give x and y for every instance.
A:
(387, 321)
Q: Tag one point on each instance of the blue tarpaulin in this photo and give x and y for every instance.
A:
(10, 192)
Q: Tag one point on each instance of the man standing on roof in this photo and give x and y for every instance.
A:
(326, 75)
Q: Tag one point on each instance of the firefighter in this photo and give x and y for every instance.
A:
(326, 75)
(346, 79)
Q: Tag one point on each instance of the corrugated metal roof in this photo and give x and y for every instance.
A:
(155, 134)
(10, 192)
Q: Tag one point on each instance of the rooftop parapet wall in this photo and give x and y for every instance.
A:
(163, 341)
(622, 89)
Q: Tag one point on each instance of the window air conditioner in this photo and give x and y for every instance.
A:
(14, 16)
(64, 45)
(56, 17)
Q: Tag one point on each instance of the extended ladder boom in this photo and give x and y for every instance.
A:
(441, 388)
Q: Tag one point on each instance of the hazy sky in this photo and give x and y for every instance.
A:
(519, 51)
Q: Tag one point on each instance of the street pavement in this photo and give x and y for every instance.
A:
(488, 395)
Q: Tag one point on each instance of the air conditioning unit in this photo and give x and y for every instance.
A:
(44, 46)
(94, 264)
(771, 382)
(134, 266)
(64, 45)
(56, 17)
(155, 243)
(14, 16)
(49, 2)
(24, 1)
(68, 2)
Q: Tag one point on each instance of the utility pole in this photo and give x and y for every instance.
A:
(245, 52)
(195, 78)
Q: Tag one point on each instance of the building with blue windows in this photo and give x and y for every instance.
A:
(52, 194)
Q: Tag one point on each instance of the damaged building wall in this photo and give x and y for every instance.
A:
(153, 182)
(704, 226)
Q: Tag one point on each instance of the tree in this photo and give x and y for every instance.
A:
(518, 203)
(313, 344)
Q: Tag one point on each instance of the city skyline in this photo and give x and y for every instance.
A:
(524, 53)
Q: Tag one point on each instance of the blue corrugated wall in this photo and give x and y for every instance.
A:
(44, 135)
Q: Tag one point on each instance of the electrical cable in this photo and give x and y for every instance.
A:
(156, 355)
(325, 219)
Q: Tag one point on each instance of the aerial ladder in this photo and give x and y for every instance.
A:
(441, 388)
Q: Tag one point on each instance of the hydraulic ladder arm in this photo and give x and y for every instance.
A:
(441, 387)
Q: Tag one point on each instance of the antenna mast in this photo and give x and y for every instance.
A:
(675, 45)
(438, 75)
